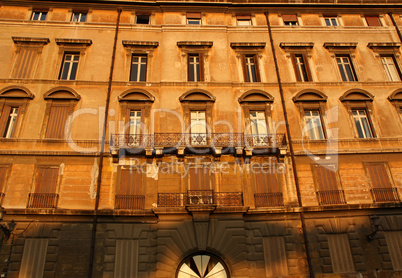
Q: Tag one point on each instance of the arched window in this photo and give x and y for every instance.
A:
(60, 104)
(13, 103)
(202, 265)
(396, 99)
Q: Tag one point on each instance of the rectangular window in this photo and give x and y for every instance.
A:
(373, 21)
(362, 123)
(33, 257)
(259, 128)
(69, 67)
(394, 243)
(45, 195)
(243, 20)
(328, 192)
(126, 258)
(135, 122)
(79, 17)
(276, 263)
(8, 121)
(199, 186)
(195, 67)
(341, 254)
(268, 191)
(301, 68)
(290, 19)
(194, 18)
(391, 68)
(39, 15)
(345, 68)
(313, 125)
(25, 62)
(142, 19)
(381, 183)
(251, 73)
(138, 68)
(331, 21)
(57, 121)
(129, 193)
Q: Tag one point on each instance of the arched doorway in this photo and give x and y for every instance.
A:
(202, 265)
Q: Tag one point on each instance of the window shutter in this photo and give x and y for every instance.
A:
(257, 70)
(199, 178)
(245, 73)
(341, 255)
(126, 260)
(4, 119)
(373, 21)
(275, 256)
(326, 178)
(201, 59)
(47, 180)
(57, 121)
(33, 258)
(3, 172)
(266, 182)
(130, 182)
(289, 17)
(394, 243)
(194, 15)
(243, 17)
(296, 69)
(378, 175)
(25, 62)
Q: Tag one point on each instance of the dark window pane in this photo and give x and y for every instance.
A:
(73, 71)
(134, 72)
(83, 18)
(64, 73)
(142, 72)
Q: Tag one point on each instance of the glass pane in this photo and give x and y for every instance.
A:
(349, 72)
(366, 128)
(359, 128)
(64, 73)
(342, 71)
(134, 72)
(83, 17)
(43, 16)
(334, 22)
(328, 22)
(73, 71)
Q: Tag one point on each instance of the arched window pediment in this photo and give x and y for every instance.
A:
(197, 95)
(61, 93)
(256, 96)
(16, 92)
(310, 96)
(357, 95)
(136, 95)
(396, 95)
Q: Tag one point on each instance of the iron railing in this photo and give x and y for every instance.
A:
(42, 200)
(385, 194)
(331, 197)
(175, 140)
(200, 197)
(129, 202)
(274, 199)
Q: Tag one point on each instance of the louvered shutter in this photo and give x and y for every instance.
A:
(33, 258)
(126, 259)
(326, 178)
(47, 180)
(394, 243)
(275, 256)
(57, 121)
(25, 62)
(341, 255)
(373, 21)
(378, 175)
(289, 17)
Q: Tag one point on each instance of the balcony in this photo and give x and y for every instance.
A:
(131, 202)
(219, 141)
(385, 194)
(42, 200)
(267, 200)
(331, 197)
(200, 197)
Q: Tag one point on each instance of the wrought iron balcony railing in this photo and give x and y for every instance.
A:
(274, 199)
(129, 202)
(42, 200)
(200, 197)
(331, 197)
(385, 194)
(176, 140)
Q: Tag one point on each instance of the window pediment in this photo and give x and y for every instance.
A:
(348, 47)
(253, 46)
(255, 96)
(356, 95)
(61, 93)
(74, 42)
(396, 96)
(384, 47)
(140, 44)
(296, 46)
(195, 45)
(197, 95)
(310, 96)
(136, 95)
(31, 41)
(16, 92)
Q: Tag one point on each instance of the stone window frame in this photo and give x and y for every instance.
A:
(396, 99)
(195, 47)
(249, 48)
(244, 17)
(73, 11)
(311, 99)
(298, 18)
(63, 96)
(358, 99)
(191, 15)
(304, 49)
(16, 96)
(338, 49)
(337, 16)
(380, 18)
(22, 43)
(387, 49)
(141, 48)
(79, 46)
(136, 99)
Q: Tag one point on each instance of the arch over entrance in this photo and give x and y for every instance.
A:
(202, 265)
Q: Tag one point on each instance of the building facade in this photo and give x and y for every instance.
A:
(201, 139)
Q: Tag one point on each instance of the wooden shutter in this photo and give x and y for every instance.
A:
(194, 15)
(289, 17)
(3, 173)
(4, 119)
(130, 182)
(394, 243)
(245, 73)
(47, 180)
(126, 260)
(199, 178)
(378, 175)
(373, 21)
(266, 182)
(201, 59)
(275, 256)
(33, 258)
(257, 70)
(57, 121)
(243, 17)
(326, 178)
(25, 62)
(341, 255)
